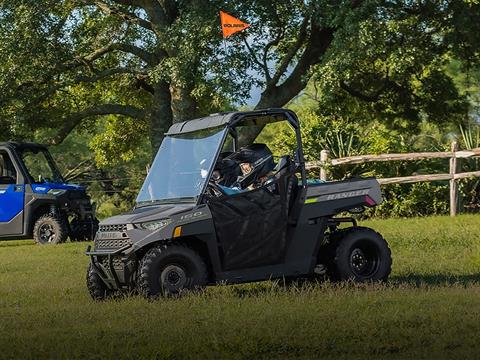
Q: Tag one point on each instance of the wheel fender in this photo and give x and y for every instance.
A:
(36, 208)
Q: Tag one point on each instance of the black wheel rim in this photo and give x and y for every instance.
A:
(364, 259)
(47, 234)
(173, 278)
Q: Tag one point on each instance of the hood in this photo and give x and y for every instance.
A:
(47, 186)
(148, 213)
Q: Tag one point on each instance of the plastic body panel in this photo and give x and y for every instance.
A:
(334, 197)
(11, 201)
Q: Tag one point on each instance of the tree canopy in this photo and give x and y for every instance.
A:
(146, 64)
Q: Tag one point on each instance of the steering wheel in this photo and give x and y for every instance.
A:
(214, 189)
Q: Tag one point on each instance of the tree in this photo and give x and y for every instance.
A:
(65, 63)
(96, 58)
(394, 65)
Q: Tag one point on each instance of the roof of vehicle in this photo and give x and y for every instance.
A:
(16, 145)
(246, 118)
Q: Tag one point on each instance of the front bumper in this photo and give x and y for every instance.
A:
(116, 267)
(83, 208)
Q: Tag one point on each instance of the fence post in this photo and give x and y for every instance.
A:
(323, 162)
(453, 182)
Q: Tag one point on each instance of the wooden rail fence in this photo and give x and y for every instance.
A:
(454, 154)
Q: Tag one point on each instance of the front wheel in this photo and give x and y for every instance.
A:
(361, 254)
(96, 287)
(169, 269)
(50, 229)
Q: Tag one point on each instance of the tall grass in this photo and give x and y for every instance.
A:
(429, 309)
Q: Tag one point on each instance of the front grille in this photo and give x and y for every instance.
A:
(78, 195)
(112, 243)
(117, 263)
(109, 228)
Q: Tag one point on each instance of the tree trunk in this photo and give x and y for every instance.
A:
(184, 106)
(161, 115)
(267, 100)
(278, 95)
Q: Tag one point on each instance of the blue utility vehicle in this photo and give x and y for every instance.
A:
(35, 200)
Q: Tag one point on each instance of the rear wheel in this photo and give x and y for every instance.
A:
(50, 229)
(361, 254)
(169, 269)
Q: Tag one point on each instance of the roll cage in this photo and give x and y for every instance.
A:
(232, 120)
(16, 151)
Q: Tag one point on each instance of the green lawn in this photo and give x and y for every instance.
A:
(430, 309)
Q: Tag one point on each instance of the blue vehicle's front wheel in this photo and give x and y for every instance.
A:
(50, 229)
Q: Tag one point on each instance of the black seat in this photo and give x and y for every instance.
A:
(283, 162)
(284, 172)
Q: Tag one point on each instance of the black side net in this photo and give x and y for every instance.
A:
(251, 226)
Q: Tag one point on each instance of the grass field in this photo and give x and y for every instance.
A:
(429, 309)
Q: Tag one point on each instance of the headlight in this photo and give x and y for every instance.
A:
(56, 192)
(154, 225)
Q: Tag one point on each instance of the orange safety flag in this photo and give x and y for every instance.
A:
(231, 25)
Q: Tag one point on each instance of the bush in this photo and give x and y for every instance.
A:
(111, 206)
(409, 200)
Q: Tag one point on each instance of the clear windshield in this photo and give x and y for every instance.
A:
(181, 167)
(40, 166)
